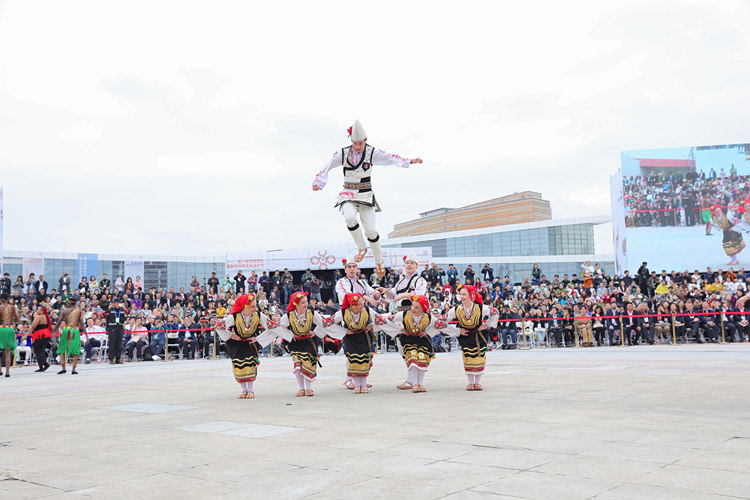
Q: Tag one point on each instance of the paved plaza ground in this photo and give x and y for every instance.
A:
(633, 422)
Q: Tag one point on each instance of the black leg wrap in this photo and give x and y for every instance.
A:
(374, 240)
(356, 226)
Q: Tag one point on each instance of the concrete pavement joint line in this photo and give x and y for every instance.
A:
(34, 483)
(675, 489)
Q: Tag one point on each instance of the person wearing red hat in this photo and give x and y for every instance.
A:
(355, 322)
(243, 342)
(470, 332)
(732, 241)
(353, 283)
(415, 328)
(299, 326)
(357, 196)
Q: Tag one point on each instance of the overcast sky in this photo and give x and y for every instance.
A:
(190, 128)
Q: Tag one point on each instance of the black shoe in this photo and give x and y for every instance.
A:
(46, 367)
(61, 372)
(38, 370)
(74, 372)
(7, 374)
(118, 362)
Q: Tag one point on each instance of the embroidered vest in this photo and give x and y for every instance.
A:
(414, 329)
(473, 321)
(246, 331)
(356, 326)
(363, 169)
(300, 329)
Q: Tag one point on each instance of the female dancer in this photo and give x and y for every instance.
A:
(732, 241)
(416, 327)
(469, 313)
(298, 327)
(41, 334)
(354, 322)
(245, 327)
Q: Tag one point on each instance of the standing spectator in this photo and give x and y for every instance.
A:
(227, 284)
(287, 280)
(41, 288)
(119, 284)
(452, 276)
(239, 282)
(488, 274)
(105, 284)
(469, 274)
(194, 283)
(158, 339)
(115, 322)
(30, 287)
(5, 284)
(315, 285)
(264, 282)
(213, 284)
(129, 287)
(536, 274)
(64, 282)
(252, 283)
(138, 284)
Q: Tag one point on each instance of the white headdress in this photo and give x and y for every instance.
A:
(412, 257)
(357, 132)
(349, 259)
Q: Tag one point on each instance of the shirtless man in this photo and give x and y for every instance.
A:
(8, 320)
(70, 338)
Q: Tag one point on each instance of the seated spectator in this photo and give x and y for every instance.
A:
(97, 336)
(158, 339)
(138, 341)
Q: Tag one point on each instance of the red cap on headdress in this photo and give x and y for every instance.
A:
(714, 207)
(350, 299)
(239, 304)
(475, 297)
(294, 301)
(423, 301)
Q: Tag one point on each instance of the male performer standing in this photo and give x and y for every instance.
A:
(70, 337)
(8, 320)
(115, 322)
(357, 196)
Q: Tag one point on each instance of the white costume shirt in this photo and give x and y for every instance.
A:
(357, 285)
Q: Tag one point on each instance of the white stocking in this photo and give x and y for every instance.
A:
(308, 384)
(350, 210)
(420, 376)
(411, 375)
(367, 216)
(300, 380)
(243, 386)
(477, 378)
(249, 386)
(363, 382)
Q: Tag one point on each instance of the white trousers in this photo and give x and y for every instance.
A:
(367, 217)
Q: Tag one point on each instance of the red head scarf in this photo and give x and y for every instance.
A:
(294, 301)
(423, 301)
(241, 301)
(473, 295)
(351, 298)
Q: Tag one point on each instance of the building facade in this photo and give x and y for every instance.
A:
(558, 246)
(517, 208)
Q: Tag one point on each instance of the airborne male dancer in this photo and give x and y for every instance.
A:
(357, 196)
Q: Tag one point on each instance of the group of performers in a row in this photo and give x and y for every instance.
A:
(246, 330)
(69, 346)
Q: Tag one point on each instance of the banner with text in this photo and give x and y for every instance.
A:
(133, 268)
(33, 262)
(87, 265)
(320, 259)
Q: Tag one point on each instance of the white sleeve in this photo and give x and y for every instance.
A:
(321, 178)
(394, 324)
(421, 287)
(283, 330)
(380, 157)
(335, 330)
(320, 331)
(492, 315)
(341, 290)
(452, 330)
